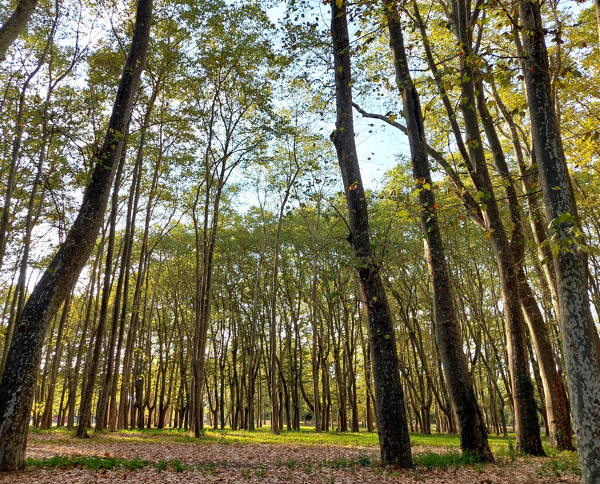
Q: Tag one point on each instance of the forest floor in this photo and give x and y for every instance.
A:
(167, 456)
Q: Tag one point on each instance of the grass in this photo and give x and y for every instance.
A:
(504, 449)
(560, 463)
(87, 462)
(431, 460)
(305, 435)
(342, 463)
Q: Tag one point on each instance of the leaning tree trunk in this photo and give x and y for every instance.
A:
(556, 403)
(15, 25)
(526, 424)
(579, 335)
(18, 381)
(489, 218)
(473, 433)
(85, 408)
(392, 425)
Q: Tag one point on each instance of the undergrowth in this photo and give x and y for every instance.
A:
(87, 462)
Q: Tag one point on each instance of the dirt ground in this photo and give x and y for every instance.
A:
(266, 463)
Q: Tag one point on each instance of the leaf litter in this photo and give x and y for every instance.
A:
(200, 461)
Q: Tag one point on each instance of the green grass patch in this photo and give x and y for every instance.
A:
(260, 471)
(87, 462)
(559, 464)
(343, 463)
(208, 468)
(306, 435)
(432, 460)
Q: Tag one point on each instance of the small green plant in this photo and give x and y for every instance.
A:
(260, 471)
(161, 465)
(134, 464)
(207, 468)
(291, 463)
(177, 466)
(338, 463)
(443, 461)
(512, 452)
(308, 467)
(363, 460)
(245, 473)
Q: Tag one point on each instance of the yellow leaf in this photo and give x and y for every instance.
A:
(339, 3)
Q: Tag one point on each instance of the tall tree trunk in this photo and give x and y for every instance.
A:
(142, 267)
(275, 407)
(392, 426)
(86, 322)
(555, 396)
(473, 433)
(527, 428)
(92, 369)
(47, 415)
(106, 293)
(15, 24)
(579, 335)
(18, 381)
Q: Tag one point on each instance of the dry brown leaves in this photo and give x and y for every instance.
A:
(213, 462)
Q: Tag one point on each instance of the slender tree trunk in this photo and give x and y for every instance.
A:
(88, 391)
(555, 397)
(15, 24)
(579, 335)
(18, 381)
(47, 415)
(75, 378)
(142, 267)
(473, 433)
(389, 397)
(527, 429)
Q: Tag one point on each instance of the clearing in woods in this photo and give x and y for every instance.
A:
(156, 456)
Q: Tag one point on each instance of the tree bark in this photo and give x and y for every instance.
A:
(392, 425)
(579, 335)
(18, 381)
(15, 24)
(473, 433)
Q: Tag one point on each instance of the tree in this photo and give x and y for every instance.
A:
(580, 338)
(389, 397)
(472, 427)
(17, 384)
(15, 24)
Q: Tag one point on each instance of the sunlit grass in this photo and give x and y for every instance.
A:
(306, 436)
(430, 451)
